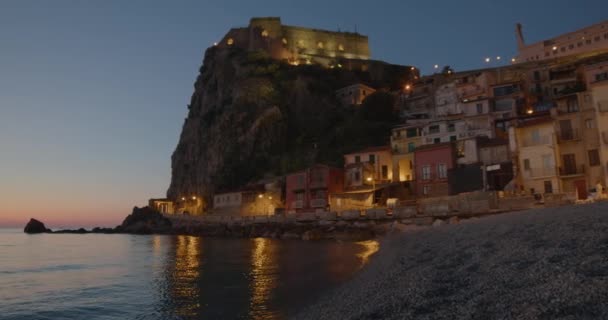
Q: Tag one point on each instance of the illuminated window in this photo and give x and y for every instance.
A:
(301, 43)
(340, 47)
(265, 33)
(284, 41)
(320, 45)
(230, 41)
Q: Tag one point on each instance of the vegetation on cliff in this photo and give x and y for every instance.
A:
(252, 117)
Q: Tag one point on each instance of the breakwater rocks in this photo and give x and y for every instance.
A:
(35, 226)
(318, 230)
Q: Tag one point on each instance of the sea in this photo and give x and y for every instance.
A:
(116, 276)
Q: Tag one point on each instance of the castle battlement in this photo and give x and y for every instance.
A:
(297, 45)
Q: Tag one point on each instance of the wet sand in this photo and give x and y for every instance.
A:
(537, 264)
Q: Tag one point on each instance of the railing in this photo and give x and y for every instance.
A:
(539, 172)
(298, 204)
(568, 135)
(318, 203)
(543, 140)
(572, 170)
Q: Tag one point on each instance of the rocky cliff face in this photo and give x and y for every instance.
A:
(251, 117)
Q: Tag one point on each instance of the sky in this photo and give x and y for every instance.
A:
(93, 94)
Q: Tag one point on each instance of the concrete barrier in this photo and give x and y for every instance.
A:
(405, 212)
(375, 214)
(328, 216)
(306, 217)
(350, 215)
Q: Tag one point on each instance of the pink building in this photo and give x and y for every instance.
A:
(432, 164)
(308, 190)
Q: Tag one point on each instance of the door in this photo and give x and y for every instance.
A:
(581, 189)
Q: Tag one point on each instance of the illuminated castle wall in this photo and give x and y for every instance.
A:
(296, 44)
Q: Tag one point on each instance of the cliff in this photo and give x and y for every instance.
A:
(252, 117)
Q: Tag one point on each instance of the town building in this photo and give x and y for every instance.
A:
(163, 205)
(432, 164)
(253, 200)
(533, 143)
(589, 39)
(309, 190)
(354, 95)
(596, 79)
(370, 164)
(404, 141)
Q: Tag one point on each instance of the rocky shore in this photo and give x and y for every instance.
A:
(537, 264)
(147, 221)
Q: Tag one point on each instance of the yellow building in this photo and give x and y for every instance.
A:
(404, 141)
(373, 165)
(534, 146)
(596, 79)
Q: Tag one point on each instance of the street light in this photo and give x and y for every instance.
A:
(370, 179)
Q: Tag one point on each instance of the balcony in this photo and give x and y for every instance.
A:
(539, 172)
(318, 203)
(568, 135)
(541, 141)
(572, 170)
(298, 204)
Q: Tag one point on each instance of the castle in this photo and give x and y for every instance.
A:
(297, 45)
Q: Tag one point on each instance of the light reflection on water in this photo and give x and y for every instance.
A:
(168, 277)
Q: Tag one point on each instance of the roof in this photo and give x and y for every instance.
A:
(371, 149)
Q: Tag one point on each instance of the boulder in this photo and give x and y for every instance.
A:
(35, 226)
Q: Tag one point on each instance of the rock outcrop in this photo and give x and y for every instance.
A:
(145, 221)
(35, 226)
(251, 117)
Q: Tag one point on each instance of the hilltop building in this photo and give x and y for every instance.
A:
(297, 45)
(585, 40)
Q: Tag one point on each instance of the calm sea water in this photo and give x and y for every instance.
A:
(94, 276)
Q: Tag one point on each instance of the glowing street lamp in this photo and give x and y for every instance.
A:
(183, 198)
(371, 179)
(408, 87)
(193, 197)
(487, 60)
(260, 196)
(497, 57)
(436, 66)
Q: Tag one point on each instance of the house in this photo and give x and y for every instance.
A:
(262, 198)
(374, 164)
(162, 205)
(354, 94)
(404, 141)
(432, 164)
(308, 190)
(596, 80)
(533, 142)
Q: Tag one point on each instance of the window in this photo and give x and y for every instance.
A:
(434, 129)
(284, 41)
(547, 161)
(601, 76)
(479, 107)
(426, 190)
(526, 164)
(411, 147)
(357, 159)
(265, 33)
(340, 47)
(548, 187)
(230, 41)
(413, 132)
(320, 45)
(411, 165)
(451, 127)
(571, 46)
(426, 172)
(356, 176)
(579, 44)
(589, 124)
(437, 140)
(596, 39)
(372, 158)
(594, 158)
(535, 136)
(452, 138)
(442, 171)
(300, 181)
(300, 196)
(384, 172)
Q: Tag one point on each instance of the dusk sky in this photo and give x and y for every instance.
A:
(93, 94)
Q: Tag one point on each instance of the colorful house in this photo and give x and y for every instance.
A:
(308, 190)
(432, 164)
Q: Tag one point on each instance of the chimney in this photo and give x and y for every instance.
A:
(520, 36)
